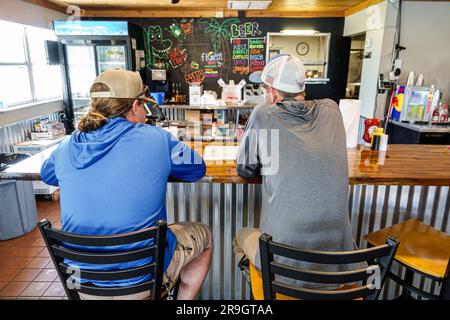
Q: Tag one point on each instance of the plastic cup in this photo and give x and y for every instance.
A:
(158, 96)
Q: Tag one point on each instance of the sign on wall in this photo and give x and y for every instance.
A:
(206, 50)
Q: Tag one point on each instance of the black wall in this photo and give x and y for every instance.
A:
(338, 52)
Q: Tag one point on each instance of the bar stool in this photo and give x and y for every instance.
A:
(423, 250)
(353, 284)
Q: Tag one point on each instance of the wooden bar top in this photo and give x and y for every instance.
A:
(400, 165)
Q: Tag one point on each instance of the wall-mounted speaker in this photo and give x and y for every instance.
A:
(52, 52)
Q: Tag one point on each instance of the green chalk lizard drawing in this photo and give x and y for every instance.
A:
(157, 47)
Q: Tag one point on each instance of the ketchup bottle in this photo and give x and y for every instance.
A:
(370, 126)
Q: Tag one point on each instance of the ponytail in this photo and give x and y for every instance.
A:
(91, 121)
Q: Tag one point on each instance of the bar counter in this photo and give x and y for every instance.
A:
(385, 188)
(400, 165)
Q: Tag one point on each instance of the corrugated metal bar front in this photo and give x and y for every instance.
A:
(226, 208)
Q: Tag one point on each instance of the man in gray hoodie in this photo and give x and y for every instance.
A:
(299, 149)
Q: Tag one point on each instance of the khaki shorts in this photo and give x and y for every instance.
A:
(192, 239)
(246, 243)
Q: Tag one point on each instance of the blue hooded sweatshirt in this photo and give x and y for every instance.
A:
(113, 180)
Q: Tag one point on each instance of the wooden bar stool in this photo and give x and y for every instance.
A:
(423, 250)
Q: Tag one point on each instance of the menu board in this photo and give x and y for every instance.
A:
(206, 49)
(240, 56)
(248, 55)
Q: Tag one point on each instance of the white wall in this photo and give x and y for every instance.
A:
(26, 13)
(372, 18)
(378, 23)
(317, 46)
(425, 33)
(289, 45)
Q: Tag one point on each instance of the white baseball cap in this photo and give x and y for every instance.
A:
(283, 72)
(123, 84)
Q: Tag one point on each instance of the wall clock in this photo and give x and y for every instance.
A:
(302, 48)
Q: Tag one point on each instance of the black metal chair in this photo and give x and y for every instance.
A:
(58, 252)
(381, 256)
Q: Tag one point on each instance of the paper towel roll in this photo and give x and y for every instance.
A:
(351, 111)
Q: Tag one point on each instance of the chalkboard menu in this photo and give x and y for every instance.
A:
(206, 50)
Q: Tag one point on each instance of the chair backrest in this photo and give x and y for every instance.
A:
(378, 258)
(57, 241)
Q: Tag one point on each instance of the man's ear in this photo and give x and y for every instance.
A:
(273, 94)
(135, 106)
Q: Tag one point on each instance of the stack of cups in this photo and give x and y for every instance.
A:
(383, 142)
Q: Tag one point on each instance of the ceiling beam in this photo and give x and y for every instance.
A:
(49, 5)
(99, 12)
(295, 14)
(129, 12)
(158, 13)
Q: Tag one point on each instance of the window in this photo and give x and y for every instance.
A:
(25, 76)
(311, 49)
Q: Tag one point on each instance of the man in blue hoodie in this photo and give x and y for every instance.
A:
(113, 174)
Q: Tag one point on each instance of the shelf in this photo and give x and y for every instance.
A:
(211, 138)
(314, 63)
(122, 63)
(210, 107)
(317, 81)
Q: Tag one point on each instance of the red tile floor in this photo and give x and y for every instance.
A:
(26, 271)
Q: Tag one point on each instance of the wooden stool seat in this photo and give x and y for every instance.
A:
(422, 248)
(257, 286)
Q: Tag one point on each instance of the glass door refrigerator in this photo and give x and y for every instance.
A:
(111, 57)
(88, 48)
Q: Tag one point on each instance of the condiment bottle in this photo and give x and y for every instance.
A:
(215, 128)
(376, 137)
(435, 117)
(444, 113)
(369, 128)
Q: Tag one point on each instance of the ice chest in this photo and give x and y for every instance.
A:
(18, 213)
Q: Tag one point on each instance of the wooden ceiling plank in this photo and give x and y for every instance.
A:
(49, 5)
(146, 13)
(362, 6)
(148, 4)
(296, 14)
(296, 5)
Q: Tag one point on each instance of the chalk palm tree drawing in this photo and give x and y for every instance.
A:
(220, 36)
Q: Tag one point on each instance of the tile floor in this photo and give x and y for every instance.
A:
(26, 271)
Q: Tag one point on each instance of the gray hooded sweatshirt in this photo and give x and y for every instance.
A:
(304, 176)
